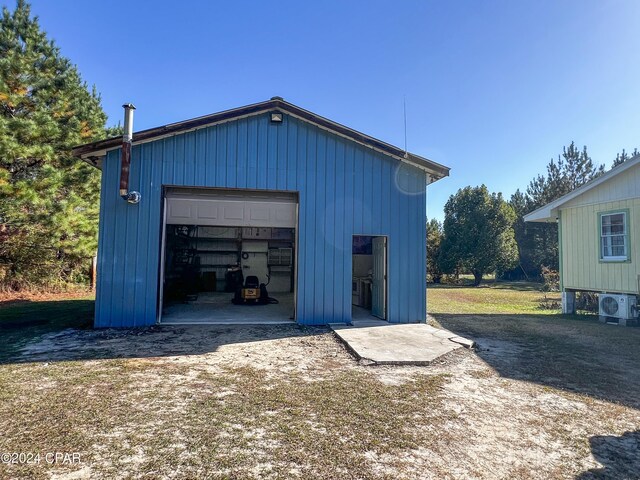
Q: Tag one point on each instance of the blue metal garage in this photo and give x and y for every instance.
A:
(326, 218)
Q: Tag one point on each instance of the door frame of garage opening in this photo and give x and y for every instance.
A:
(166, 192)
(358, 288)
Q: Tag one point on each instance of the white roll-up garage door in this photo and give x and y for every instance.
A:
(231, 208)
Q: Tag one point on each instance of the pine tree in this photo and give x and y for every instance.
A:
(624, 156)
(48, 200)
(573, 169)
(538, 242)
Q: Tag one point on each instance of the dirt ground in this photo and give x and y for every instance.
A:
(290, 402)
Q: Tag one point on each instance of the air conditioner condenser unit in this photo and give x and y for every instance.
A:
(623, 307)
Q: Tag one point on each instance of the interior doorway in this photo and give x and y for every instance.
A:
(218, 266)
(369, 292)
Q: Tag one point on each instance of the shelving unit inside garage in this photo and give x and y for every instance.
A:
(197, 258)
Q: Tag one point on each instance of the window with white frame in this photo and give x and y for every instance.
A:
(613, 236)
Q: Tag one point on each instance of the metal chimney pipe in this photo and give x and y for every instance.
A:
(125, 162)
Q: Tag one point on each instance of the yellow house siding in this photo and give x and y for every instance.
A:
(582, 268)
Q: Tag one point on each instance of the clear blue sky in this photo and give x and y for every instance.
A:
(494, 89)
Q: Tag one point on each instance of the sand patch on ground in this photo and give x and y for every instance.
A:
(487, 422)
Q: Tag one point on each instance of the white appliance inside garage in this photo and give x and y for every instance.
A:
(215, 239)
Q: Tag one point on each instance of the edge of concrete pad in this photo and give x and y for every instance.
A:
(465, 342)
(349, 348)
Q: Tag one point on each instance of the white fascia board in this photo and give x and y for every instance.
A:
(543, 214)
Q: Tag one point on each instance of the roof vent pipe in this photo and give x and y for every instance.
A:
(133, 196)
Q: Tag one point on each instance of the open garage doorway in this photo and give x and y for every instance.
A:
(369, 277)
(229, 256)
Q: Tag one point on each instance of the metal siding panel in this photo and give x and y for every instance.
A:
(152, 152)
(200, 159)
(405, 264)
(130, 257)
(178, 160)
(252, 153)
(301, 249)
(308, 237)
(271, 149)
(231, 160)
(123, 269)
(143, 239)
(349, 195)
(381, 213)
(343, 241)
(105, 250)
(291, 166)
(329, 233)
(262, 168)
(120, 268)
(411, 253)
(395, 256)
(367, 193)
(281, 155)
(168, 166)
(190, 159)
(112, 270)
(422, 308)
(209, 163)
(221, 153)
(418, 236)
(242, 154)
(357, 192)
(415, 246)
(319, 214)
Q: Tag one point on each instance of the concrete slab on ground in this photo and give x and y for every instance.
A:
(386, 343)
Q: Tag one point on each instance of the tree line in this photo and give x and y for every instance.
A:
(49, 201)
(483, 233)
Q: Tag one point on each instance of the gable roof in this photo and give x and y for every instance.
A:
(549, 212)
(93, 152)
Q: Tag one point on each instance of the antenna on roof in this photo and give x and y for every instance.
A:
(405, 124)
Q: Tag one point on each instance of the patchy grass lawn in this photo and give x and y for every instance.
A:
(490, 297)
(24, 318)
(542, 397)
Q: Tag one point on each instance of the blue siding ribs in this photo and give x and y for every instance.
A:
(345, 189)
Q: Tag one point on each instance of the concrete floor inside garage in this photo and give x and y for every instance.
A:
(216, 308)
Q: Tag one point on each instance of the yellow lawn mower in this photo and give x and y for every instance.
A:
(253, 293)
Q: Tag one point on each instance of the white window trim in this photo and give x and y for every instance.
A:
(625, 235)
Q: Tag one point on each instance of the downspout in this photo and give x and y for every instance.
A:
(132, 197)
